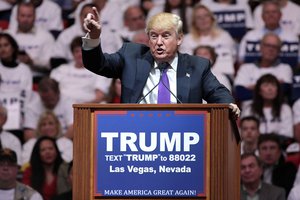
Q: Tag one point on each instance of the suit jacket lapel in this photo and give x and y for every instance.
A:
(144, 65)
(184, 73)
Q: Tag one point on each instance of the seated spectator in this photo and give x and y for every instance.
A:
(267, 63)
(16, 83)
(44, 163)
(233, 16)
(252, 187)
(10, 188)
(209, 53)
(268, 106)
(249, 129)
(48, 98)
(276, 170)
(7, 139)
(290, 20)
(204, 31)
(134, 20)
(35, 43)
(49, 125)
(68, 194)
(89, 87)
(48, 16)
(177, 7)
(250, 43)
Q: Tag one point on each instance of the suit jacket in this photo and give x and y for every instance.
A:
(267, 192)
(132, 65)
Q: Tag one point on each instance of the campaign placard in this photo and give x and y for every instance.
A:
(150, 153)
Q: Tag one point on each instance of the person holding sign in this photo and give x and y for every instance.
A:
(140, 67)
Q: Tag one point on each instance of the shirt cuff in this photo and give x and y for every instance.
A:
(88, 43)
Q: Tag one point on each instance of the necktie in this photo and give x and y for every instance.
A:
(163, 87)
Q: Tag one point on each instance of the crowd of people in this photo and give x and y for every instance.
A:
(252, 47)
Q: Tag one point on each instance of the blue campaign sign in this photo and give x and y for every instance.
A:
(233, 21)
(150, 153)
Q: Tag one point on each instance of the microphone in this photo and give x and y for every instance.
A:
(162, 67)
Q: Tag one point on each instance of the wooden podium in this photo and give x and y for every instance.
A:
(223, 149)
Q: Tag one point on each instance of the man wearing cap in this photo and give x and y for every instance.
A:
(10, 188)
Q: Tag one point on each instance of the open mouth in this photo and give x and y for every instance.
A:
(160, 51)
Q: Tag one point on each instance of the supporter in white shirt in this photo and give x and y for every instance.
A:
(73, 76)
(204, 31)
(268, 106)
(15, 76)
(249, 46)
(7, 139)
(16, 82)
(268, 63)
(290, 20)
(48, 16)
(36, 43)
(49, 98)
(49, 125)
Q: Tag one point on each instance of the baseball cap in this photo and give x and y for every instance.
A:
(293, 148)
(8, 155)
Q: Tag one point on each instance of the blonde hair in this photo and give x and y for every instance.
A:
(44, 117)
(165, 21)
(194, 31)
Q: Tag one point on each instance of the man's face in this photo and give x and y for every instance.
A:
(271, 15)
(250, 170)
(164, 44)
(8, 173)
(249, 131)
(135, 19)
(25, 17)
(49, 98)
(269, 152)
(270, 48)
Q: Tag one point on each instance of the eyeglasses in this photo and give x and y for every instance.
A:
(272, 46)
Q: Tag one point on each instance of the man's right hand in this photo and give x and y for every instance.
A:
(92, 24)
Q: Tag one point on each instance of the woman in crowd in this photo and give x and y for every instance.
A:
(204, 31)
(16, 79)
(44, 164)
(269, 107)
(49, 125)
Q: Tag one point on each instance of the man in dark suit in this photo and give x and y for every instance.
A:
(276, 170)
(138, 66)
(252, 187)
